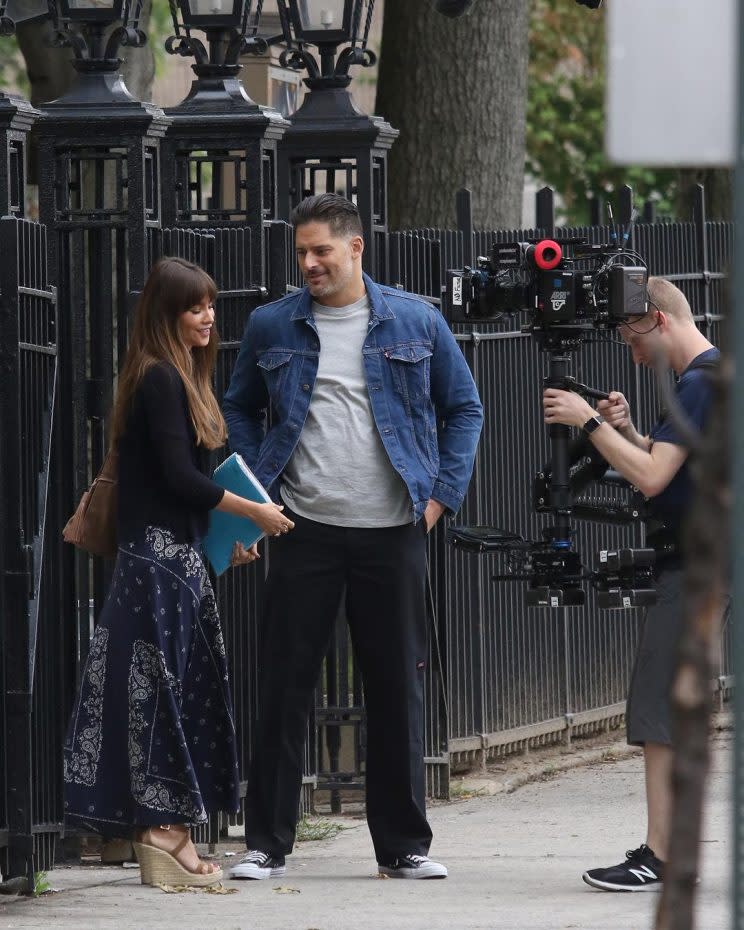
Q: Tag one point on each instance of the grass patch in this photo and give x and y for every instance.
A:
(41, 884)
(459, 791)
(317, 828)
(550, 771)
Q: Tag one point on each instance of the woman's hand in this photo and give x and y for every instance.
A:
(243, 556)
(271, 520)
(268, 517)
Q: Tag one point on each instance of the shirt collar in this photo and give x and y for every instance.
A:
(379, 307)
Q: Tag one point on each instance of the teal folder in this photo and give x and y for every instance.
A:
(225, 529)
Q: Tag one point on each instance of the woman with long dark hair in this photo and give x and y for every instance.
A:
(151, 742)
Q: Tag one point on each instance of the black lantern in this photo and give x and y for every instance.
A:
(92, 11)
(326, 24)
(13, 12)
(326, 21)
(231, 27)
(84, 26)
(205, 14)
(95, 16)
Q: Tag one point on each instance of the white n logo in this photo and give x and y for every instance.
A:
(643, 873)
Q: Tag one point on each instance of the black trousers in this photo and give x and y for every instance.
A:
(383, 572)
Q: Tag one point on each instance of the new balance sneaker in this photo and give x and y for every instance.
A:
(257, 864)
(412, 867)
(641, 871)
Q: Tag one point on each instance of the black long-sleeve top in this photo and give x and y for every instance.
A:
(162, 472)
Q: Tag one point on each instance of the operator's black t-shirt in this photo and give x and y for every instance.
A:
(694, 394)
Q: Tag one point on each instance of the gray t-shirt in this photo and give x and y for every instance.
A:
(340, 473)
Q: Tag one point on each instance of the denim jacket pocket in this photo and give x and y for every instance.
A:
(409, 365)
(274, 366)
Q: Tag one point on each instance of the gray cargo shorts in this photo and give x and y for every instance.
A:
(648, 713)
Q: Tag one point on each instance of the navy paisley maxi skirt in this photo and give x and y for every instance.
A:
(152, 735)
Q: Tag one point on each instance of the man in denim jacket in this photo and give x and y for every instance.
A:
(375, 423)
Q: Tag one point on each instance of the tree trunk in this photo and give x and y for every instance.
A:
(457, 91)
(707, 541)
(50, 70)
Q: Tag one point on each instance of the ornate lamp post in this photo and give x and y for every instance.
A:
(99, 196)
(99, 175)
(16, 115)
(84, 26)
(13, 12)
(331, 145)
(327, 24)
(219, 160)
(17, 642)
(232, 30)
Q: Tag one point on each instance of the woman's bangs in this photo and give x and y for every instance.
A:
(186, 286)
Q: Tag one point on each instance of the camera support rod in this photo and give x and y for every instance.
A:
(577, 447)
(560, 439)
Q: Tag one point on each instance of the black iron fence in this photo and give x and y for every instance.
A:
(500, 676)
(515, 676)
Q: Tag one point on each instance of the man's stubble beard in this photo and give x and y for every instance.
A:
(322, 290)
(332, 287)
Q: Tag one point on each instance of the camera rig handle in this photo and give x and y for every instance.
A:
(593, 468)
(571, 384)
(578, 448)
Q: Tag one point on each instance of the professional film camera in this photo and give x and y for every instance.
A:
(567, 288)
(571, 291)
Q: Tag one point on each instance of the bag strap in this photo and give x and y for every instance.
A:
(110, 468)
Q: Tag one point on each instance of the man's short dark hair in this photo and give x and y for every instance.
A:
(341, 214)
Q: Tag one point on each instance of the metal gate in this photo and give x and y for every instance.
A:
(34, 671)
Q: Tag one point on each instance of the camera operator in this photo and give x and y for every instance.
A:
(656, 464)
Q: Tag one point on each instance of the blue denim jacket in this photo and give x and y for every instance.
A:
(424, 400)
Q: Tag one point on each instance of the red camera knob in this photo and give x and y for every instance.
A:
(548, 255)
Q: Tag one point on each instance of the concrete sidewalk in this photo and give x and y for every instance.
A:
(515, 862)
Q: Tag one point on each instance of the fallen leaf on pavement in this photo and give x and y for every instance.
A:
(217, 888)
(175, 889)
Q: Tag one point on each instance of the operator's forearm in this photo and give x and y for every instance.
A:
(649, 467)
(631, 458)
(633, 436)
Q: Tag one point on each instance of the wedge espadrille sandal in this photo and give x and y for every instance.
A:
(158, 867)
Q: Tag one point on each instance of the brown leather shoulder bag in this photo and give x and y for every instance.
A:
(93, 525)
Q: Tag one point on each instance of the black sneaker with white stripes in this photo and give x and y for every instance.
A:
(412, 867)
(641, 871)
(257, 864)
